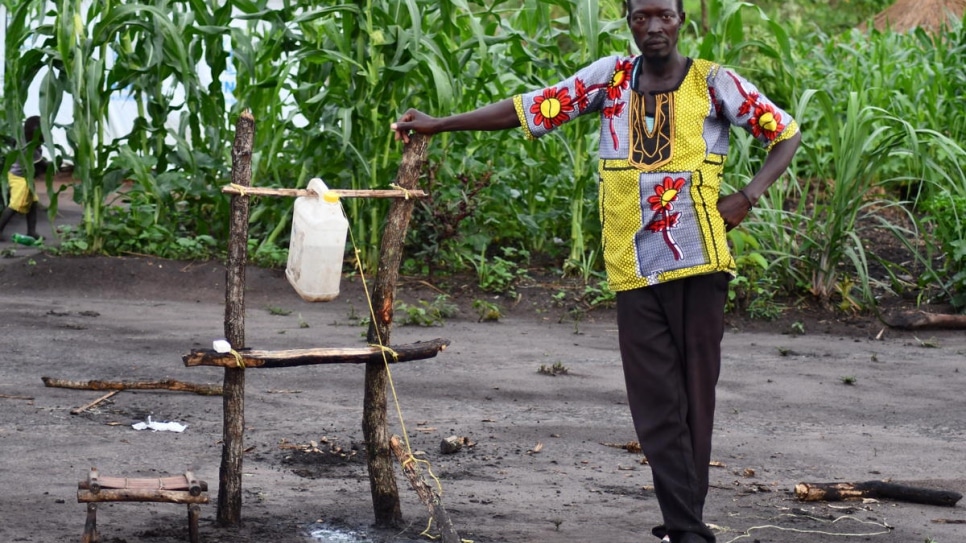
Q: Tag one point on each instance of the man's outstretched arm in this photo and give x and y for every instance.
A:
(497, 116)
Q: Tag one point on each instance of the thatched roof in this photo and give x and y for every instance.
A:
(905, 15)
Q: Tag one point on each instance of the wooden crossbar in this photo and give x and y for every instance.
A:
(420, 350)
(343, 193)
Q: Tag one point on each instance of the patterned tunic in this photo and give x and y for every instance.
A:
(660, 176)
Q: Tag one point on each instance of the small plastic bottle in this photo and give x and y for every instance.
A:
(24, 239)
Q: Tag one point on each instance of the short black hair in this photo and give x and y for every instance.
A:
(627, 7)
(30, 127)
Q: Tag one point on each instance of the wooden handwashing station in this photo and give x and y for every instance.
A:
(376, 356)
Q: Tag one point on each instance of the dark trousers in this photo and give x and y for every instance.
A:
(670, 341)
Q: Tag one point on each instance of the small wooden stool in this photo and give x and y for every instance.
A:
(181, 489)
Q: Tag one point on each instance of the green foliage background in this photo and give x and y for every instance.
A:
(882, 117)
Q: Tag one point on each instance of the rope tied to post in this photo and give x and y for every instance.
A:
(383, 348)
(239, 361)
(406, 192)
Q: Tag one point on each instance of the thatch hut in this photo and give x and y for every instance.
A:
(930, 15)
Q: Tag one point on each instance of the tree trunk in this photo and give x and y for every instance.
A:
(230, 473)
(382, 481)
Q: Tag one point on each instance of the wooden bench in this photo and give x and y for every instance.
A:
(184, 489)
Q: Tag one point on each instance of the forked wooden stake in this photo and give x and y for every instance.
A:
(427, 495)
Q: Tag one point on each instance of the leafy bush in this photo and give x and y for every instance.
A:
(426, 313)
(947, 216)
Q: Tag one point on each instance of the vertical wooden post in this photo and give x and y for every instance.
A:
(194, 513)
(382, 481)
(233, 400)
(90, 525)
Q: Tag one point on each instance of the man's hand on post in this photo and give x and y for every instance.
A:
(413, 121)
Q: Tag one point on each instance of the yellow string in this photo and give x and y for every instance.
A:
(242, 191)
(383, 348)
(406, 192)
(238, 358)
(410, 458)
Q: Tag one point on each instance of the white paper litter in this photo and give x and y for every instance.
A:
(221, 346)
(159, 426)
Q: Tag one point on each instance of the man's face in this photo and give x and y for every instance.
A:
(654, 26)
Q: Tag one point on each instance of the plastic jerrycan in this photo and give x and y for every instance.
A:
(317, 244)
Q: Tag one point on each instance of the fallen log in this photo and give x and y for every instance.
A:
(813, 492)
(166, 384)
(302, 357)
(426, 494)
(921, 320)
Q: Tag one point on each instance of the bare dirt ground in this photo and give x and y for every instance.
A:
(839, 403)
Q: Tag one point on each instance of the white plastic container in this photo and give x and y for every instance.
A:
(317, 244)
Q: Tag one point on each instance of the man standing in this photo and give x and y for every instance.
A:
(665, 121)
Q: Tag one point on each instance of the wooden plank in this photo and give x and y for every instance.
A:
(139, 495)
(183, 483)
(303, 357)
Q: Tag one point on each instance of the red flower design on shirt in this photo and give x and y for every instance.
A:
(665, 194)
(620, 80)
(766, 121)
(751, 101)
(551, 108)
(662, 203)
(580, 94)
